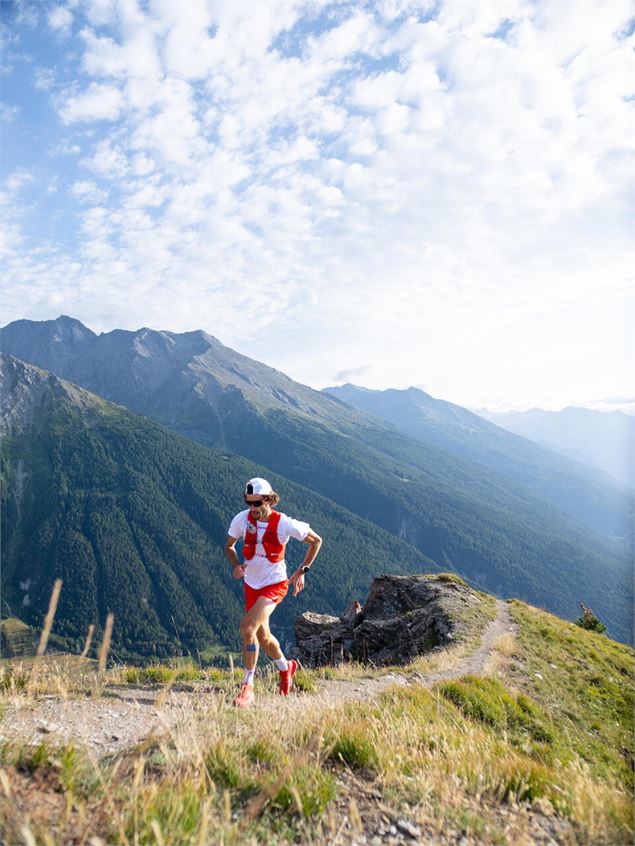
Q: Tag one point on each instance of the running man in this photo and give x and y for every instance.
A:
(265, 533)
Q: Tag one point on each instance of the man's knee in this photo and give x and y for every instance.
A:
(264, 635)
(247, 630)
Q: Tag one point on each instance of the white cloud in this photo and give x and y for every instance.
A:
(418, 194)
(101, 12)
(60, 19)
(88, 192)
(188, 48)
(143, 165)
(44, 79)
(17, 180)
(98, 102)
(136, 57)
(8, 113)
(108, 160)
(66, 150)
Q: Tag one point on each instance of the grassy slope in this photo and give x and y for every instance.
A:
(551, 728)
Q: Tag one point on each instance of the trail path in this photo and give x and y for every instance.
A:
(124, 716)
(474, 664)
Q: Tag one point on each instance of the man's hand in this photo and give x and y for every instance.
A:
(238, 571)
(297, 580)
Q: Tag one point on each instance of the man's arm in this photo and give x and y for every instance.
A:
(238, 569)
(314, 542)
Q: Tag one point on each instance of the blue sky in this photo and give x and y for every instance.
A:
(392, 193)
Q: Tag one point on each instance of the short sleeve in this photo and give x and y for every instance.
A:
(293, 528)
(237, 526)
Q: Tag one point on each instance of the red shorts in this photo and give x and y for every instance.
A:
(276, 592)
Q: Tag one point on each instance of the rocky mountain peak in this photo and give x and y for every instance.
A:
(29, 394)
(50, 344)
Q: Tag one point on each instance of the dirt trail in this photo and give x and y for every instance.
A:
(367, 689)
(125, 716)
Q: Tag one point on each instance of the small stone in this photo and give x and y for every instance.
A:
(47, 728)
(543, 806)
(393, 830)
(409, 828)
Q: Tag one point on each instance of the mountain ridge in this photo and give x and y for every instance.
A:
(496, 534)
(601, 439)
(604, 504)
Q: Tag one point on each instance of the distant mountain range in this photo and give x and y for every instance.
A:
(589, 495)
(598, 438)
(494, 530)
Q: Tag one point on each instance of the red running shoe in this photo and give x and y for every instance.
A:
(245, 698)
(286, 677)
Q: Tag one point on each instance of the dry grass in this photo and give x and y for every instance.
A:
(234, 776)
(452, 756)
(503, 649)
(50, 616)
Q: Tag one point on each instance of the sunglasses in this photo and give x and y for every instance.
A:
(255, 503)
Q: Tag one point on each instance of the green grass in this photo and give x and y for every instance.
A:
(451, 577)
(487, 701)
(584, 681)
(553, 726)
(354, 744)
(18, 640)
(161, 674)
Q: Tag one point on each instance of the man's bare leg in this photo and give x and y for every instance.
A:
(257, 616)
(254, 619)
(268, 642)
(271, 648)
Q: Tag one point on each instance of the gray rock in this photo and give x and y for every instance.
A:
(403, 616)
(324, 640)
(409, 828)
(352, 614)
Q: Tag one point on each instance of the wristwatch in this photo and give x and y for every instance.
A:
(304, 569)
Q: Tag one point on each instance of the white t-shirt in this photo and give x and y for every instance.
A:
(260, 572)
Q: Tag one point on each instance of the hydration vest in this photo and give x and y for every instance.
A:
(274, 550)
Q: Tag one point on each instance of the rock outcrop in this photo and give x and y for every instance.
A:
(403, 616)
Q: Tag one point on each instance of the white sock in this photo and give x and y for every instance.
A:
(248, 677)
(282, 664)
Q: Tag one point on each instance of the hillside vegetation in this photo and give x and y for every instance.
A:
(537, 749)
(133, 518)
(497, 533)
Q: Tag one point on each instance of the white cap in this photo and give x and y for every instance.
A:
(258, 486)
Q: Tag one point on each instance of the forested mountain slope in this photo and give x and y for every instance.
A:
(133, 518)
(496, 533)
